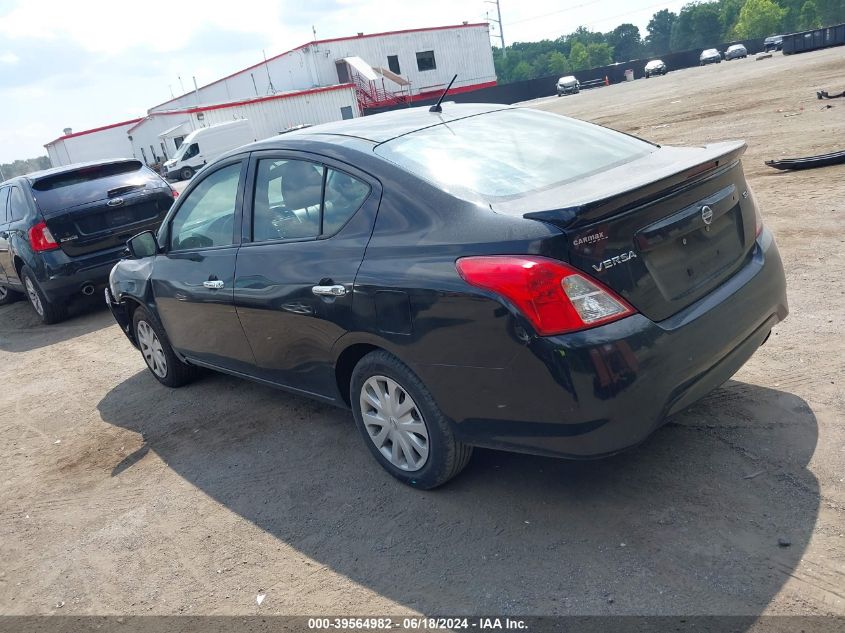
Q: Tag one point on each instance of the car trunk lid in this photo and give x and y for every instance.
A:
(672, 226)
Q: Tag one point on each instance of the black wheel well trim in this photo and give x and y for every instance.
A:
(345, 364)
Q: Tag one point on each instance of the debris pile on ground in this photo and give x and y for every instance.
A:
(824, 94)
(809, 162)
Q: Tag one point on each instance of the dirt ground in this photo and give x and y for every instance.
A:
(119, 496)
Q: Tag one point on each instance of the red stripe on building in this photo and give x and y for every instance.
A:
(96, 129)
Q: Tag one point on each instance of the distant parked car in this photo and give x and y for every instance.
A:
(62, 230)
(568, 85)
(773, 43)
(709, 56)
(655, 67)
(736, 51)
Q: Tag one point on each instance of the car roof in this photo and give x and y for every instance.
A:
(378, 128)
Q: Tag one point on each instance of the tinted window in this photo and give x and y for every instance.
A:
(297, 199)
(207, 215)
(425, 60)
(17, 205)
(344, 196)
(4, 198)
(85, 174)
(509, 153)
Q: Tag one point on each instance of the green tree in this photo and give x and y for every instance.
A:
(521, 72)
(20, 167)
(831, 11)
(626, 42)
(729, 11)
(558, 64)
(599, 55)
(660, 31)
(809, 17)
(578, 58)
(759, 18)
(699, 25)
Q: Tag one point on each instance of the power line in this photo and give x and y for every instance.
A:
(545, 15)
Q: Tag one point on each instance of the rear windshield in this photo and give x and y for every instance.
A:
(510, 153)
(85, 174)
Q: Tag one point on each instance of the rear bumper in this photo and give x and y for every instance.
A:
(62, 277)
(600, 391)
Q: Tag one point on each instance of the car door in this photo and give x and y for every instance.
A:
(307, 225)
(193, 278)
(4, 232)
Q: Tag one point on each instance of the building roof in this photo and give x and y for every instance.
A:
(328, 41)
(96, 129)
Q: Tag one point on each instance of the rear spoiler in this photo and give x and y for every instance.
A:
(643, 181)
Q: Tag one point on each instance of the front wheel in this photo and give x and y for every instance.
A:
(402, 425)
(186, 173)
(161, 360)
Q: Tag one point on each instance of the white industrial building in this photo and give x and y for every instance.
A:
(318, 82)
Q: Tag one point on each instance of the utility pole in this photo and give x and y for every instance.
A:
(499, 22)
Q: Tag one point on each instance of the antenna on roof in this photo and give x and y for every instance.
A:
(436, 107)
(271, 89)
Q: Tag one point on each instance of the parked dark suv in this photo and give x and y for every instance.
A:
(62, 230)
(481, 276)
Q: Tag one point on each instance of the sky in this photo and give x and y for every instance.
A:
(87, 63)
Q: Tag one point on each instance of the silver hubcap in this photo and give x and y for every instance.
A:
(151, 349)
(394, 423)
(34, 299)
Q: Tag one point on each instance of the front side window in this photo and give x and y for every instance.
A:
(509, 153)
(207, 216)
(425, 61)
(297, 199)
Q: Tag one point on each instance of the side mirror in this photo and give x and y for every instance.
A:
(142, 245)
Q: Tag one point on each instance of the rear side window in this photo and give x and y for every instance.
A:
(297, 199)
(17, 205)
(509, 153)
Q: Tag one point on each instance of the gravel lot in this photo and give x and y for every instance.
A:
(118, 496)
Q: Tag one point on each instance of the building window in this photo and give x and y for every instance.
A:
(346, 112)
(393, 63)
(425, 61)
(177, 141)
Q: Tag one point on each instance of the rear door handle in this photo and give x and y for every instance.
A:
(213, 283)
(329, 291)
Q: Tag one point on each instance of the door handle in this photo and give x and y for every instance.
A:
(329, 291)
(213, 283)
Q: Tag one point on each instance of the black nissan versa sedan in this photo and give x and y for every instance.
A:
(62, 229)
(485, 276)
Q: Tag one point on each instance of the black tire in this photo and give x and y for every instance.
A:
(176, 373)
(446, 455)
(186, 173)
(7, 295)
(48, 311)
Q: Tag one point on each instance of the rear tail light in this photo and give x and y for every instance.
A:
(175, 193)
(41, 239)
(554, 297)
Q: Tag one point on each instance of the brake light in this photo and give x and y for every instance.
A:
(553, 296)
(41, 239)
(174, 192)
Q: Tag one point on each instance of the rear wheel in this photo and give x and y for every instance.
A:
(161, 360)
(8, 296)
(48, 311)
(402, 425)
